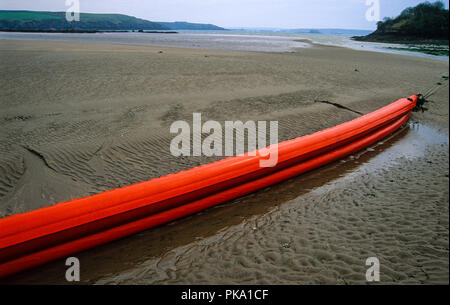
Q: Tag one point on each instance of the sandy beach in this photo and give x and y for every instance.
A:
(81, 118)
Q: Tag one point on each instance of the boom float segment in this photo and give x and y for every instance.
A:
(34, 238)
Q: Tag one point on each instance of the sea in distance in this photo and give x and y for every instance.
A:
(261, 40)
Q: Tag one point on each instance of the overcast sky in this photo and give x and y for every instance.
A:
(348, 14)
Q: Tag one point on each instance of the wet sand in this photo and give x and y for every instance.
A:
(78, 119)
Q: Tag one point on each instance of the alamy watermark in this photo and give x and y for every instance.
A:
(373, 273)
(222, 142)
(373, 12)
(73, 10)
(73, 272)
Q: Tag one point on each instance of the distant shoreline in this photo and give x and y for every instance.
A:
(86, 31)
(434, 47)
(408, 40)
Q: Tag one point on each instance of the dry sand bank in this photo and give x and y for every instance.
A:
(78, 119)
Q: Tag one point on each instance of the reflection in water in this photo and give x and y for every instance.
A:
(138, 252)
(411, 145)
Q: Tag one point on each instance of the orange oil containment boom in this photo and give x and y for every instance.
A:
(39, 236)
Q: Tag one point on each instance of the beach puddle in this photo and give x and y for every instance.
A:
(412, 145)
(152, 256)
(409, 143)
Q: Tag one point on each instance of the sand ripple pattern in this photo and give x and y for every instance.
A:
(96, 154)
(326, 236)
(11, 170)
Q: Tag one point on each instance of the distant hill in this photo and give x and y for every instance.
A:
(56, 21)
(427, 21)
(181, 25)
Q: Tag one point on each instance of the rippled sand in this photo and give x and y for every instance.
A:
(78, 119)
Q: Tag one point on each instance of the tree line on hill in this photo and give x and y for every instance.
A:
(426, 21)
(56, 21)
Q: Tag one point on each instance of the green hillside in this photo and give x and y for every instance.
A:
(56, 21)
(425, 22)
(181, 25)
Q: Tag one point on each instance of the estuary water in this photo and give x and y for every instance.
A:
(237, 40)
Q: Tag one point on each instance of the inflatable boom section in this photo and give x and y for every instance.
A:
(34, 238)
